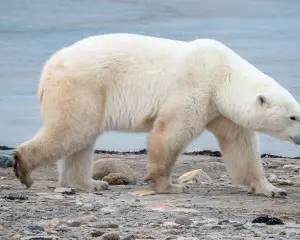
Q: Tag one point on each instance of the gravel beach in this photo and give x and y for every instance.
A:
(214, 210)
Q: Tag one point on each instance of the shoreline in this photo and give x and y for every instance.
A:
(144, 151)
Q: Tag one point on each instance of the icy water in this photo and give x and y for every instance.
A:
(265, 32)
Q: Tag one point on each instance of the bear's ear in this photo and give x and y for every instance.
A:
(261, 100)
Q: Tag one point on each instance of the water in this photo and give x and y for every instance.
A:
(265, 32)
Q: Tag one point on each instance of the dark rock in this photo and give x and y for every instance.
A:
(129, 237)
(97, 233)
(6, 161)
(222, 222)
(15, 196)
(267, 220)
(110, 236)
(36, 228)
(4, 148)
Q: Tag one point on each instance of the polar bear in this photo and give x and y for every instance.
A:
(173, 90)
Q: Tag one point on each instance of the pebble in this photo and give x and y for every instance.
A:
(222, 222)
(41, 237)
(129, 237)
(16, 196)
(5, 187)
(110, 236)
(107, 225)
(181, 220)
(81, 220)
(195, 176)
(285, 182)
(292, 167)
(97, 233)
(67, 191)
(170, 225)
(37, 228)
(273, 178)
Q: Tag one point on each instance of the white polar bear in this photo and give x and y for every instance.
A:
(172, 89)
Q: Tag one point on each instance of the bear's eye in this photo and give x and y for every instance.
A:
(293, 118)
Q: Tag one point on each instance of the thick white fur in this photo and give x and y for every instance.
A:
(172, 89)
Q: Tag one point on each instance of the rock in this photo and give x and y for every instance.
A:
(292, 167)
(187, 238)
(5, 187)
(116, 179)
(104, 167)
(267, 220)
(107, 225)
(41, 237)
(195, 176)
(129, 237)
(36, 228)
(170, 225)
(16, 196)
(143, 193)
(285, 182)
(183, 220)
(110, 236)
(6, 161)
(76, 222)
(272, 178)
(97, 233)
(223, 222)
(48, 224)
(67, 191)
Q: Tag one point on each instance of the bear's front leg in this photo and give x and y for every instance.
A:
(165, 143)
(239, 147)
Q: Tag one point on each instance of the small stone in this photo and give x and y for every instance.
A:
(195, 176)
(183, 220)
(67, 191)
(283, 233)
(74, 223)
(292, 167)
(129, 237)
(97, 233)
(36, 228)
(48, 224)
(110, 236)
(107, 225)
(41, 237)
(16, 196)
(224, 222)
(16, 236)
(170, 225)
(5, 187)
(143, 193)
(273, 178)
(285, 182)
(116, 179)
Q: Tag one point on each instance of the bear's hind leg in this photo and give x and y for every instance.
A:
(165, 143)
(241, 157)
(75, 171)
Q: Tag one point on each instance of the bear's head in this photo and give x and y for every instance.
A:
(277, 114)
(256, 101)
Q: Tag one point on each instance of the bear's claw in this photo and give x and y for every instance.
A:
(21, 172)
